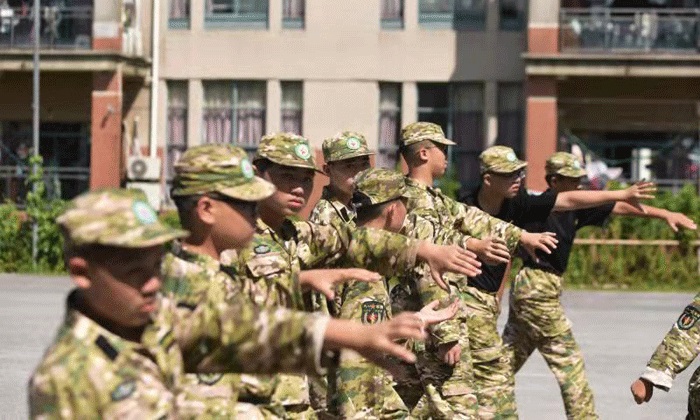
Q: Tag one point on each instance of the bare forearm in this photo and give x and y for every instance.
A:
(574, 200)
(624, 209)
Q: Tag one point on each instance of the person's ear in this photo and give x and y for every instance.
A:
(487, 179)
(78, 271)
(205, 210)
(423, 155)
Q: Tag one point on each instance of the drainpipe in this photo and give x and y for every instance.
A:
(155, 78)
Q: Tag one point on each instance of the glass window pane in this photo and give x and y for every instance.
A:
(469, 97)
(433, 95)
(436, 6)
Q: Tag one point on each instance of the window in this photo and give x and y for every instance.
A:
(293, 14)
(236, 14)
(292, 107)
(179, 15)
(392, 14)
(459, 109)
(513, 14)
(510, 116)
(389, 124)
(176, 135)
(452, 14)
(234, 112)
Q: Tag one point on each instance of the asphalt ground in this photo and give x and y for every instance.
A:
(617, 332)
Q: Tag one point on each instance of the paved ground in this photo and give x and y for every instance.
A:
(617, 331)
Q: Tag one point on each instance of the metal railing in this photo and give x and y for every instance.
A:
(61, 182)
(629, 30)
(61, 27)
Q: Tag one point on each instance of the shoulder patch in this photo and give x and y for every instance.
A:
(373, 312)
(261, 249)
(688, 318)
(123, 390)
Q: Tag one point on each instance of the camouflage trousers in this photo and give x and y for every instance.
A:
(694, 396)
(493, 378)
(536, 320)
(448, 391)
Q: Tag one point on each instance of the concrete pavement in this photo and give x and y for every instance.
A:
(617, 332)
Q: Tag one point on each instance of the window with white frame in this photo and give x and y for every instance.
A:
(293, 12)
(513, 15)
(459, 109)
(234, 112)
(292, 107)
(176, 134)
(389, 124)
(392, 14)
(452, 14)
(236, 14)
(179, 14)
(510, 116)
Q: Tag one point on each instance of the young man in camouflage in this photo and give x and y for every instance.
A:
(123, 351)
(445, 367)
(345, 155)
(283, 247)
(678, 349)
(536, 319)
(500, 194)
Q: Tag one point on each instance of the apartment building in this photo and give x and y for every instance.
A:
(94, 96)
(232, 70)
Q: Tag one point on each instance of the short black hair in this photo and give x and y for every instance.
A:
(185, 207)
(367, 213)
(263, 165)
(409, 152)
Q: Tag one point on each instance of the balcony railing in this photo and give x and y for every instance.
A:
(60, 28)
(61, 182)
(629, 30)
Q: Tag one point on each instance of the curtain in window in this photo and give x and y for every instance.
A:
(292, 106)
(293, 9)
(250, 114)
(510, 115)
(218, 113)
(177, 125)
(389, 122)
(392, 9)
(179, 9)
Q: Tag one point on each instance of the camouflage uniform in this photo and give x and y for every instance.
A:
(536, 319)
(273, 260)
(676, 352)
(89, 372)
(449, 391)
(342, 146)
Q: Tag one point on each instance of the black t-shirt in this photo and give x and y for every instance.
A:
(524, 208)
(564, 224)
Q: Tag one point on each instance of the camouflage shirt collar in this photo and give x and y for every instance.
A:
(86, 330)
(345, 212)
(205, 261)
(432, 190)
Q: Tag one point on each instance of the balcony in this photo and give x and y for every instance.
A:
(631, 31)
(62, 28)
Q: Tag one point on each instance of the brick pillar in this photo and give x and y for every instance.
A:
(541, 128)
(106, 130)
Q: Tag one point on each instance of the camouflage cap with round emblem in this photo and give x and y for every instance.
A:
(420, 131)
(564, 164)
(224, 169)
(115, 217)
(501, 160)
(286, 149)
(345, 145)
(376, 186)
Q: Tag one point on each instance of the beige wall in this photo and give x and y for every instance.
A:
(340, 56)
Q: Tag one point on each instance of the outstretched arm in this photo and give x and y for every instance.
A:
(674, 219)
(574, 200)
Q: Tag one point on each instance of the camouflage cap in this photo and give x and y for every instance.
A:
(224, 169)
(419, 131)
(376, 186)
(564, 164)
(115, 217)
(500, 159)
(286, 149)
(345, 145)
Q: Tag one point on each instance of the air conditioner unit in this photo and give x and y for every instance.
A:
(143, 168)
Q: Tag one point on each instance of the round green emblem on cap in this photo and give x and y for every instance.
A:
(247, 169)
(302, 151)
(144, 213)
(352, 143)
(577, 164)
(511, 157)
